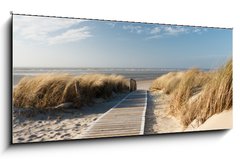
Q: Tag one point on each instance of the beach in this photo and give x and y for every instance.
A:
(157, 119)
(37, 125)
(69, 123)
(66, 124)
(219, 121)
(59, 125)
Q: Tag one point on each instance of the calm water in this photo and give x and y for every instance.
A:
(135, 73)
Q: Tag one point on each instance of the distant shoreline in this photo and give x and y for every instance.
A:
(138, 76)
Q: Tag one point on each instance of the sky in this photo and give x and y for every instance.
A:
(63, 42)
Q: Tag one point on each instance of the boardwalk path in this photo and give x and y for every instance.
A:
(127, 118)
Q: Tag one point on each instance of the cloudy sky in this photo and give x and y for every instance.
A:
(59, 42)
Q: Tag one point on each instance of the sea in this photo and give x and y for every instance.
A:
(138, 74)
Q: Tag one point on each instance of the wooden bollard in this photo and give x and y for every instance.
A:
(133, 85)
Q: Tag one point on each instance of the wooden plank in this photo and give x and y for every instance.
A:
(126, 118)
(115, 131)
(104, 136)
(115, 127)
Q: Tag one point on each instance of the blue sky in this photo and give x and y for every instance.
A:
(59, 42)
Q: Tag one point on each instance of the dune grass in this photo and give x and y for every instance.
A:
(167, 83)
(215, 98)
(197, 95)
(50, 90)
(191, 84)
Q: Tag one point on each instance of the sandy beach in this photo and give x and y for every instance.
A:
(71, 123)
(157, 120)
(66, 124)
(144, 85)
(58, 125)
(216, 122)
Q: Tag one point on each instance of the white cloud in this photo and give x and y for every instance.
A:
(155, 30)
(170, 30)
(133, 29)
(158, 31)
(199, 30)
(70, 36)
(196, 30)
(162, 31)
(44, 29)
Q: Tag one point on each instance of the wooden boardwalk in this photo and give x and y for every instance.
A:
(126, 118)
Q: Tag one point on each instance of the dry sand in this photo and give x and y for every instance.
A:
(61, 125)
(216, 122)
(157, 120)
(144, 85)
(58, 125)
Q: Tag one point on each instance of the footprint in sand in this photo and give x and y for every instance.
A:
(65, 135)
(78, 124)
(55, 135)
(21, 139)
(33, 136)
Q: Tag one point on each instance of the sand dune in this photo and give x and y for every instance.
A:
(61, 124)
(218, 121)
(197, 96)
(49, 90)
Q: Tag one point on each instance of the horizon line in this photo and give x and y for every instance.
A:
(181, 68)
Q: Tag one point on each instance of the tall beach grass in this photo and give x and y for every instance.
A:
(190, 85)
(215, 98)
(50, 90)
(196, 95)
(167, 83)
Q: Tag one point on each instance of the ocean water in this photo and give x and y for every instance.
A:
(135, 73)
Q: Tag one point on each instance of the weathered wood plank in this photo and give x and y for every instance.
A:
(127, 118)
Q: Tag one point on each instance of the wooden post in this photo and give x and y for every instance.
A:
(133, 85)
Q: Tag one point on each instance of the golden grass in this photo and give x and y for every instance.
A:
(197, 95)
(215, 97)
(50, 90)
(192, 83)
(168, 83)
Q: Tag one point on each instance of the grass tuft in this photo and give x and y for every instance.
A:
(50, 90)
(215, 98)
(196, 95)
